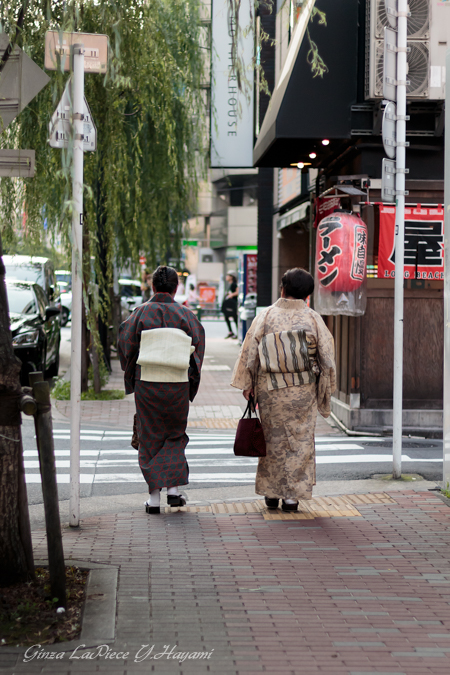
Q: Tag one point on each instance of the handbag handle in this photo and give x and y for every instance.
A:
(248, 410)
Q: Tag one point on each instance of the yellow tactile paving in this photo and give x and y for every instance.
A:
(343, 506)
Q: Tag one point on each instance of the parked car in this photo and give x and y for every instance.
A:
(130, 293)
(35, 328)
(64, 277)
(37, 270)
(66, 304)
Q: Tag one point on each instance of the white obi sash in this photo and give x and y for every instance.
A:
(164, 355)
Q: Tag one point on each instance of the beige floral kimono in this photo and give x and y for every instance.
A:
(288, 358)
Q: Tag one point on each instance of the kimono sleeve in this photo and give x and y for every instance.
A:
(196, 360)
(327, 378)
(246, 367)
(128, 348)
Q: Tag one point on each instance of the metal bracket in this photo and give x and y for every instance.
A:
(394, 12)
(402, 193)
(78, 116)
(80, 137)
(395, 144)
(399, 118)
(390, 80)
(394, 48)
(401, 171)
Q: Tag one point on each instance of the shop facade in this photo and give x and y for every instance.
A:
(330, 127)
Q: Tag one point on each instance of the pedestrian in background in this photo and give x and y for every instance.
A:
(193, 297)
(230, 304)
(287, 363)
(161, 349)
(146, 286)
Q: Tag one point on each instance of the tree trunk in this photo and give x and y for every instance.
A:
(16, 560)
(103, 325)
(85, 340)
(96, 368)
(85, 334)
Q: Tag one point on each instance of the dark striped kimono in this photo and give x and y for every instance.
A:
(162, 407)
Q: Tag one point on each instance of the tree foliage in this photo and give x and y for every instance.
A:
(141, 183)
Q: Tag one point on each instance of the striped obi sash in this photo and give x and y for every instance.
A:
(288, 358)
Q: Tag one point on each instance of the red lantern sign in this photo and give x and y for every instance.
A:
(341, 252)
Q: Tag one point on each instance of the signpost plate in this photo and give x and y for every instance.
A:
(17, 163)
(58, 47)
(390, 65)
(60, 126)
(388, 180)
(388, 129)
(20, 81)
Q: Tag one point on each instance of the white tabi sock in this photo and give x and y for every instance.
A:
(290, 501)
(173, 491)
(154, 498)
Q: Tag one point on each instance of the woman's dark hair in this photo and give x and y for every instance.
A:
(165, 279)
(297, 283)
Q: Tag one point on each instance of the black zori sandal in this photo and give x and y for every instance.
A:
(289, 507)
(271, 502)
(152, 509)
(176, 500)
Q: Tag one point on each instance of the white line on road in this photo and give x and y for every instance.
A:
(87, 478)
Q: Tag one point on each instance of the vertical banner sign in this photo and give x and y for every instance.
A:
(424, 243)
(231, 109)
(251, 268)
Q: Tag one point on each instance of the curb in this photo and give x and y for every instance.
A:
(98, 619)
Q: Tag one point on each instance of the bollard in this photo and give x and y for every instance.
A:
(46, 450)
(199, 313)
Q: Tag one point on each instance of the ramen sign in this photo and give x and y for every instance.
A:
(341, 255)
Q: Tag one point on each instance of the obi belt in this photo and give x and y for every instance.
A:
(288, 358)
(164, 355)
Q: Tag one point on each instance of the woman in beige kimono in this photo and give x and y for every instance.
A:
(287, 363)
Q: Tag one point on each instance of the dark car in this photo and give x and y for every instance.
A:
(35, 328)
(37, 270)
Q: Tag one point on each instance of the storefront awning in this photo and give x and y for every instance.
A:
(305, 109)
(301, 212)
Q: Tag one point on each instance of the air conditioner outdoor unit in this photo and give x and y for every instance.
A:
(428, 34)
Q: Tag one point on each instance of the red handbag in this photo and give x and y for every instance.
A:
(250, 441)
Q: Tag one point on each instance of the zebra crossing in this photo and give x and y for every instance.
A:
(106, 458)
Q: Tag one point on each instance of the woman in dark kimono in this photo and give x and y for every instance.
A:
(161, 349)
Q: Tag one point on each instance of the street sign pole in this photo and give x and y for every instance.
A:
(402, 22)
(446, 435)
(77, 282)
(89, 53)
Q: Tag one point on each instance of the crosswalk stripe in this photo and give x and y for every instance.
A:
(367, 459)
(88, 478)
(232, 462)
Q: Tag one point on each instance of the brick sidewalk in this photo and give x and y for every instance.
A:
(348, 595)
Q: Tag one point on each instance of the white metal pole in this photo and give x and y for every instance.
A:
(399, 238)
(77, 282)
(446, 435)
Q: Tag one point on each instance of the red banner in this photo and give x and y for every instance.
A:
(325, 207)
(424, 243)
(207, 293)
(251, 263)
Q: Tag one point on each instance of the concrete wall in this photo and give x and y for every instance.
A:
(242, 225)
